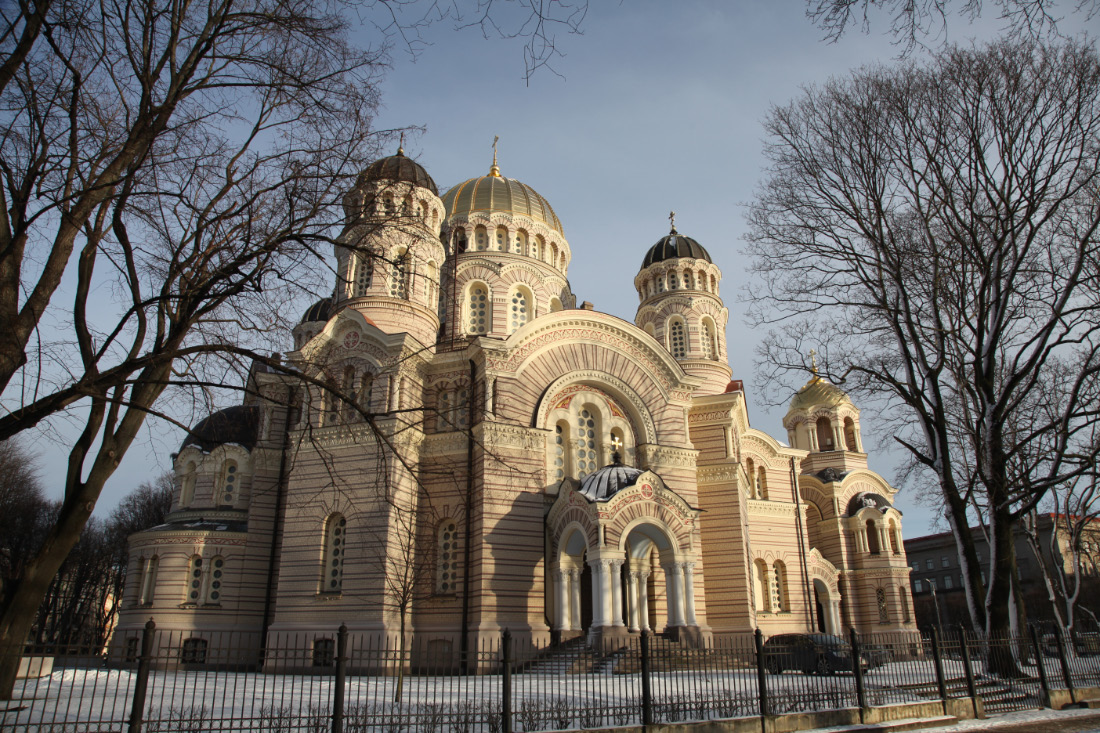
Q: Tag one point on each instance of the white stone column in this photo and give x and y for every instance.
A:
(598, 594)
(838, 435)
(859, 441)
(834, 614)
(616, 593)
(643, 600)
(632, 599)
(562, 578)
(883, 540)
(689, 594)
(861, 538)
(811, 433)
(674, 594)
(575, 599)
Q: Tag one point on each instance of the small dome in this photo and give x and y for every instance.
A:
(865, 499)
(319, 312)
(238, 425)
(398, 168)
(672, 246)
(601, 485)
(494, 193)
(819, 392)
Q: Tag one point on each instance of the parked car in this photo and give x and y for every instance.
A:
(810, 653)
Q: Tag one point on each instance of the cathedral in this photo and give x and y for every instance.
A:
(465, 450)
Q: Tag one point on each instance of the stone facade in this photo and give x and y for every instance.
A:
(526, 464)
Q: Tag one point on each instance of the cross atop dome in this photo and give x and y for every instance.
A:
(672, 222)
(494, 170)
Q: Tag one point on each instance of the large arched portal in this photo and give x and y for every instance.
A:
(651, 558)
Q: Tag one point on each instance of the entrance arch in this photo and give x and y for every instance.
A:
(641, 540)
(573, 606)
(827, 609)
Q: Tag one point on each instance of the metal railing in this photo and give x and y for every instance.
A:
(168, 681)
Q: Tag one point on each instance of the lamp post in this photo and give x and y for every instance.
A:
(936, 603)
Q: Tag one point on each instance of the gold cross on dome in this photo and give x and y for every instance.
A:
(813, 360)
(616, 443)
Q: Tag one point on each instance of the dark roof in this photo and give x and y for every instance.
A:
(866, 499)
(672, 246)
(320, 311)
(202, 525)
(601, 485)
(398, 168)
(238, 424)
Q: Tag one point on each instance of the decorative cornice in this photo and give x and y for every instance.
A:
(657, 456)
(496, 435)
(772, 508)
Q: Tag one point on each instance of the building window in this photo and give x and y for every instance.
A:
(229, 483)
(903, 604)
(710, 340)
(432, 287)
(916, 566)
(332, 579)
(453, 410)
(918, 587)
(883, 609)
(873, 545)
(677, 339)
(502, 237)
(779, 587)
(587, 430)
(148, 580)
(761, 484)
(945, 561)
(979, 555)
(446, 580)
(193, 651)
(324, 652)
(519, 244)
(214, 583)
(187, 486)
(520, 308)
(947, 582)
(364, 273)
(194, 580)
(561, 436)
(478, 310)
(399, 274)
(930, 564)
(760, 585)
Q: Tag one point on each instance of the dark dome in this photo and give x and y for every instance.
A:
(399, 168)
(673, 246)
(320, 311)
(608, 481)
(866, 499)
(238, 424)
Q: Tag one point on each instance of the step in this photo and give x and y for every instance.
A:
(896, 726)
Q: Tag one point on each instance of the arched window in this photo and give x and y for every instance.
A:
(903, 604)
(780, 601)
(538, 247)
(554, 254)
(148, 580)
(477, 306)
(677, 338)
(332, 568)
(710, 340)
(761, 484)
(760, 585)
(618, 445)
(187, 485)
(230, 479)
(561, 441)
(364, 273)
(446, 575)
(713, 285)
(459, 240)
(687, 279)
(194, 580)
(501, 239)
(387, 204)
(432, 288)
(588, 427)
(872, 538)
(850, 435)
(519, 244)
(701, 279)
(521, 309)
(824, 434)
(347, 388)
(399, 274)
(366, 383)
(673, 280)
(213, 585)
(883, 607)
(481, 239)
(750, 471)
(660, 282)
(561, 262)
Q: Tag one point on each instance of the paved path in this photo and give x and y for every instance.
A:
(1032, 721)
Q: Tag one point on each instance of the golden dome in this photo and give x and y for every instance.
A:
(496, 193)
(819, 392)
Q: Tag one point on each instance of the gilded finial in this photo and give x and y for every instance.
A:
(813, 361)
(495, 169)
(401, 145)
(672, 221)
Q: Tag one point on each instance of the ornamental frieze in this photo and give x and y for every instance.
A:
(725, 473)
(661, 455)
(771, 508)
(721, 416)
(501, 435)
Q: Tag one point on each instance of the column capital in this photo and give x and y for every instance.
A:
(618, 562)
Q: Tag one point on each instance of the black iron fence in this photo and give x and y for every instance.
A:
(167, 681)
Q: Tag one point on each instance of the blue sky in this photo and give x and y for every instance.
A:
(657, 106)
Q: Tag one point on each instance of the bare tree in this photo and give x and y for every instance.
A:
(24, 509)
(914, 21)
(934, 228)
